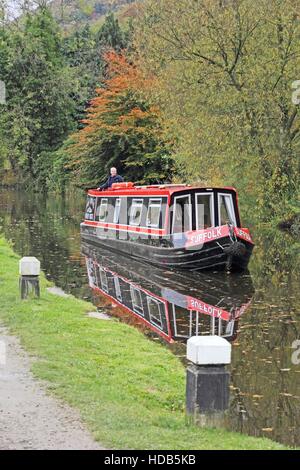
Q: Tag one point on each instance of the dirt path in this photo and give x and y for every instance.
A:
(29, 418)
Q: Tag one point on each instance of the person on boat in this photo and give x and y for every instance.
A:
(113, 178)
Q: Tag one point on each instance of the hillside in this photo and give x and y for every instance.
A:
(74, 13)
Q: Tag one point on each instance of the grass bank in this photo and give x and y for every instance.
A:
(129, 390)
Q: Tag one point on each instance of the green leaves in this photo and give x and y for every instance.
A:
(40, 105)
(225, 71)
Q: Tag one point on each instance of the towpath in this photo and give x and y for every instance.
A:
(29, 417)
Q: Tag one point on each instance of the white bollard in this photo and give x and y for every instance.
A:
(29, 269)
(29, 266)
(208, 350)
(207, 383)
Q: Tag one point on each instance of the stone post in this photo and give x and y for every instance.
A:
(207, 382)
(29, 270)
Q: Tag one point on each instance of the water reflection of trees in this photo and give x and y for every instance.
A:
(264, 380)
(46, 227)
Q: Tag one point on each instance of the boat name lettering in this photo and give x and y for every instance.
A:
(201, 237)
(195, 304)
(243, 234)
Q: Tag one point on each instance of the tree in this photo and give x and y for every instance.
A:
(225, 71)
(121, 129)
(110, 35)
(84, 50)
(40, 106)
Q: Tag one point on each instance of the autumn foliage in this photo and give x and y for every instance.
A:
(121, 129)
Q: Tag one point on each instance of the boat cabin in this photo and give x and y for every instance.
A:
(163, 209)
(175, 226)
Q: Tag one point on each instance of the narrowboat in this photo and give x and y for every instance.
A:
(173, 226)
(173, 305)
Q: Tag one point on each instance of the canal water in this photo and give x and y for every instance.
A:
(257, 311)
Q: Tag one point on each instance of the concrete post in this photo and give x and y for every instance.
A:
(29, 270)
(207, 382)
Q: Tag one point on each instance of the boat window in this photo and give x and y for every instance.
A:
(102, 210)
(118, 289)
(226, 329)
(182, 220)
(226, 209)
(117, 211)
(103, 278)
(90, 208)
(136, 299)
(204, 211)
(154, 309)
(181, 320)
(91, 272)
(153, 213)
(136, 212)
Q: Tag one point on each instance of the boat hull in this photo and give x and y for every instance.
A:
(222, 253)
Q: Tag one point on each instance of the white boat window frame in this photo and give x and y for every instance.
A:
(190, 211)
(91, 270)
(212, 208)
(117, 211)
(104, 204)
(158, 324)
(104, 286)
(118, 289)
(90, 215)
(136, 308)
(229, 329)
(134, 205)
(227, 326)
(156, 199)
(176, 334)
(230, 209)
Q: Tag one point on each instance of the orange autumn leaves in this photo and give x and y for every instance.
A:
(119, 111)
(109, 109)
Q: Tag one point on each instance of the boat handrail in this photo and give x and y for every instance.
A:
(162, 186)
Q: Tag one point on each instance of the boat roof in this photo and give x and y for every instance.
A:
(154, 189)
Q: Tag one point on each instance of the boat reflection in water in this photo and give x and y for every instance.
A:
(174, 305)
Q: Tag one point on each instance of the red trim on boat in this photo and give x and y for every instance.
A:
(199, 237)
(164, 301)
(194, 237)
(130, 192)
(239, 311)
(192, 303)
(207, 309)
(126, 228)
(243, 233)
(157, 330)
(162, 190)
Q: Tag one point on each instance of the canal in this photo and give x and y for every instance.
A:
(257, 311)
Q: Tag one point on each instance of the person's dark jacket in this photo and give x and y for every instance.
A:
(111, 180)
